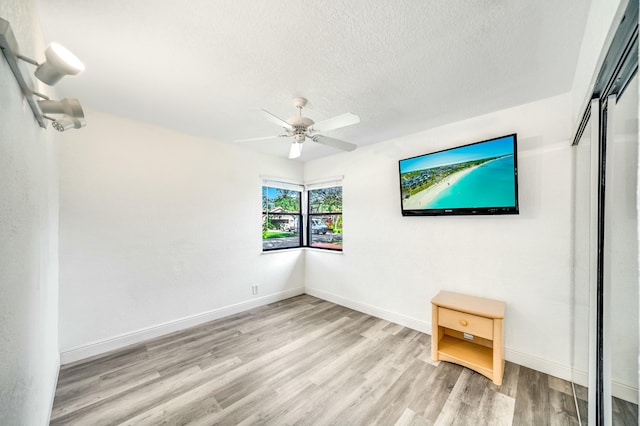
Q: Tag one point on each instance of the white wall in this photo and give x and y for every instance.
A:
(161, 230)
(29, 357)
(602, 22)
(392, 265)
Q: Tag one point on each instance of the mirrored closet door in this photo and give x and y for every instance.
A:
(605, 283)
(620, 267)
(605, 262)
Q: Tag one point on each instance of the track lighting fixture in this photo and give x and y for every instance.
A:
(59, 62)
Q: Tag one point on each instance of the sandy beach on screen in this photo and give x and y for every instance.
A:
(422, 198)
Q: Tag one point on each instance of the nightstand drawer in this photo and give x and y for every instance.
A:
(466, 323)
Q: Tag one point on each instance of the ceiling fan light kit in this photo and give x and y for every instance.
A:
(295, 150)
(300, 128)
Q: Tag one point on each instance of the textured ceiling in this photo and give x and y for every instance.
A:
(203, 67)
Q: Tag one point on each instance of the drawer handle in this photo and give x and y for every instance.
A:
(464, 323)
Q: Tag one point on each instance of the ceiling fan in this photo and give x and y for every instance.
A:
(300, 128)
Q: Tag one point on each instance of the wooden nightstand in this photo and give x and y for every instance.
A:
(467, 330)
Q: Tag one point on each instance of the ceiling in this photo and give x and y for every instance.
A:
(204, 67)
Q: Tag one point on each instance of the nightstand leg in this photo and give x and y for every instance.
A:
(435, 333)
(498, 352)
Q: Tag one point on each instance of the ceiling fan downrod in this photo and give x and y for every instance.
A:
(300, 124)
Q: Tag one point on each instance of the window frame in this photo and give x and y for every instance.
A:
(299, 214)
(311, 216)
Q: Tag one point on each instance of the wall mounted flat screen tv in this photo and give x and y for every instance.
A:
(476, 179)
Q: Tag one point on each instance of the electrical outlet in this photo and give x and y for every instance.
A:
(254, 289)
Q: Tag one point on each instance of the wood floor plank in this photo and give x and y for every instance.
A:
(288, 404)
(196, 403)
(510, 379)
(125, 405)
(355, 408)
(532, 398)
(71, 374)
(96, 390)
(624, 412)
(407, 418)
(438, 388)
(302, 361)
(313, 411)
(562, 409)
(412, 384)
(496, 408)
(456, 402)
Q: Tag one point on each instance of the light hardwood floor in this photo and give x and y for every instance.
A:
(300, 361)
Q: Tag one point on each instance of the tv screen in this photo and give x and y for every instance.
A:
(479, 178)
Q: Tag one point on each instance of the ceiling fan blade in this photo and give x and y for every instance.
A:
(343, 120)
(276, 120)
(334, 143)
(263, 138)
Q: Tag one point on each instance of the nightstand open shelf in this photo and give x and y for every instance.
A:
(467, 330)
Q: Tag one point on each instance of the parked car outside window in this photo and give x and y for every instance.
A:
(318, 227)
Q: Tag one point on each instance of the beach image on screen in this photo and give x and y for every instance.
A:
(480, 175)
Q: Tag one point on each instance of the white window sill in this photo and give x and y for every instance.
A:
(303, 249)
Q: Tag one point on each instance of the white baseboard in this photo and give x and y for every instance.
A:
(546, 366)
(102, 346)
(626, 392)
(404, 320)
(619, 390)
(581, 377)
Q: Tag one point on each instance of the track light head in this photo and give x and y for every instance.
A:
(67, 122)
(67, 106)
(59, 62)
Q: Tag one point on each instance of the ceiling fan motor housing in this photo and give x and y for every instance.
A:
(300, 126)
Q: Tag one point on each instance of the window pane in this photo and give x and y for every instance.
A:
(325, 200)
(280, 231)
(325, 231)
(279, 200)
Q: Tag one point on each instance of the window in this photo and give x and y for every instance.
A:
(281, 216)
(325, 218)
